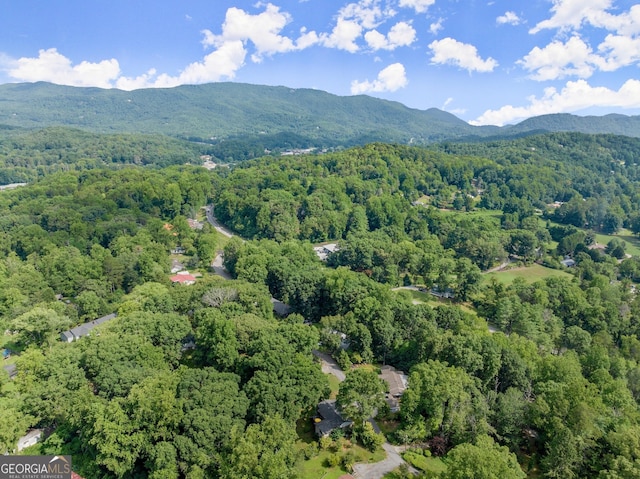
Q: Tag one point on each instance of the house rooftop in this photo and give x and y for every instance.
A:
(183, 277)
(330, 418)
(280, 308)
(323, 251)
(84, 329)
(396, 380)
(29, 439)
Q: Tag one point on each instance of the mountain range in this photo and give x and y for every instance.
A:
(223, 111)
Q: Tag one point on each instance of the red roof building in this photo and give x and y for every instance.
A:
(183, 278)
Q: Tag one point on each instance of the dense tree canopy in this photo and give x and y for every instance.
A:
(205, 381)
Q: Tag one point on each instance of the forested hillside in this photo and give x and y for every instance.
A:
(203, 380)
(258, 117)
(223, 110)
(26, 155)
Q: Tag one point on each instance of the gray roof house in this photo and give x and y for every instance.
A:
(328, 419)
(84, 329)
(323, 251)
(397, 381)
(281, 309)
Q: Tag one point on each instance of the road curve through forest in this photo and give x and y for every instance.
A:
(215, 223)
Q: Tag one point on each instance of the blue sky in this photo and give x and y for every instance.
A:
(486, 61)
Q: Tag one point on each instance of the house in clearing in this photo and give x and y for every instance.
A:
(328, 419)
(176, 266)
(29, 439)
(446, 293)
(281, 309)
(84, 329)
(397, 381)
(183, 277)
(323, 251)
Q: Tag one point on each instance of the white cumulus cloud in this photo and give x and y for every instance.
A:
(401, 34)
(509, 18)
(619, 51)
(135, 83)
(573, 14)
(52, 66)
(391, 78)
(352, 20)
(419, 6)
(575, 96)
(452, 52)
(366, 13)
(263, 30)
(343, 36)
(223, 63)
(559, 60)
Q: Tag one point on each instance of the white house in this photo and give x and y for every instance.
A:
(29, 439)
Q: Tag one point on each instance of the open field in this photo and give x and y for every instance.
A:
(530, 274)
(633, 242)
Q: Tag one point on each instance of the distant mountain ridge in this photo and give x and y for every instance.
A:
(219, 111)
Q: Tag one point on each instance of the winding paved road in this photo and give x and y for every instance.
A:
(215, 223)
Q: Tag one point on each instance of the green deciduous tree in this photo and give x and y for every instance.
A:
(482, 460)
(40, 326)
(446, 401)
(360, 395)
(264, 451)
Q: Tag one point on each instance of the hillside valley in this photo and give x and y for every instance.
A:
(476, 292)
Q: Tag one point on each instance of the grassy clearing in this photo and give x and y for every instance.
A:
(222, 240)
(424, 463)
(530, 274)
(633, 242)
(419, 296)
(477, 213)
(317, 467)
(334, 385)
